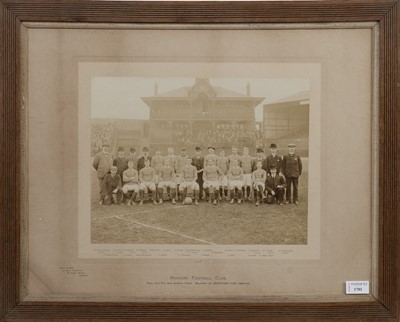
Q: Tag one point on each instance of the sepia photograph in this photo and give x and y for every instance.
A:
(208, 161)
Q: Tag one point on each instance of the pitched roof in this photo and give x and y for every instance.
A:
(182, 92)
(300, 96)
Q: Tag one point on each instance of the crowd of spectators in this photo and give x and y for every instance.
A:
(101, 133)
(221, 136)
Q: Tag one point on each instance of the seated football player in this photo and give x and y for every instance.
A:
(258, 177)
(111, 187)
(235, 176)
(212, 175)
(131, 183)
(188, 177)
(275, 186)
(147, 177)
(167, 181)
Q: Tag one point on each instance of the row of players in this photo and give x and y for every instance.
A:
(216, 174)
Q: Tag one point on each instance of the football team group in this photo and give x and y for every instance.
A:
(128, 179)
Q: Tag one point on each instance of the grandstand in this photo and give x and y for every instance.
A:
(201, 115)
(287, 121)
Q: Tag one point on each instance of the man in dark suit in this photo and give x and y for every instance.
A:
(133, 157)
(275, 186)
(198, 162)
(111, 187)
(121, 162)
(259, 157)
(291, 169)
(274, 160)
(102, 163)
(146, 156)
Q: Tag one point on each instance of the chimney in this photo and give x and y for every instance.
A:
(248, 89)
(156, 89)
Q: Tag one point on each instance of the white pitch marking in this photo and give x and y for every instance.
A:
(114, 216)
(166, 230)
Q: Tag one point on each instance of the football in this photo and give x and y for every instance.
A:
(188, 200)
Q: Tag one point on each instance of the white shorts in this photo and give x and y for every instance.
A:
(256, 184)
(167, 184)
(224, 181)
(149, 185)
(130, 187)
(247, 179)
(208, 184)
(235, 184)
(189, 184)
(178, 179)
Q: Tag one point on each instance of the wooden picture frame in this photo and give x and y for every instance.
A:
(14, 13)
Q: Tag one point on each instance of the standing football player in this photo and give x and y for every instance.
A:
(234, 156)
(223, 164)
(210, 156)
(180, 162)
(157, 162)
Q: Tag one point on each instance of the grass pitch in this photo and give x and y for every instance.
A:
(224, 224)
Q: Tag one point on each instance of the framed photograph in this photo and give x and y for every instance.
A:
(199, 160)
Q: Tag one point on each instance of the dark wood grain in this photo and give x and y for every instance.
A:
(387, 13)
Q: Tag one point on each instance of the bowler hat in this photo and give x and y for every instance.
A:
(259, 150)
(211, 147)
(132, 150)
(145, 149)
(273, 145)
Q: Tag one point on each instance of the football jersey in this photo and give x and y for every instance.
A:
(157, 163)
(259, 175)
(235, 173)
(147, 174)
(245, 163)
(189, 173)
(171, 159)
(211, 173)
(233, 157)
(213, 157)
(130, 176)
(167, 173)
(223, 164)
(180, 163)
